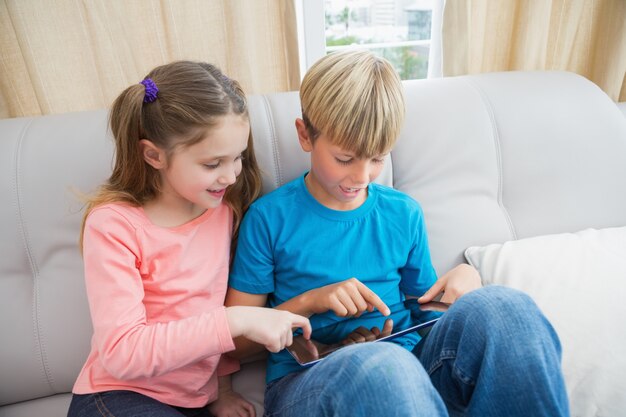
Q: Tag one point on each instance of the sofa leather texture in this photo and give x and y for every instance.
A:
(490, 157)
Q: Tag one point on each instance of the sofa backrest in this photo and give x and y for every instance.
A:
(44, 316)
(490, 157)
(502, 156)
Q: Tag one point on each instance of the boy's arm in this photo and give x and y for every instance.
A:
(418, 275)
(345, 298)
(453, 284)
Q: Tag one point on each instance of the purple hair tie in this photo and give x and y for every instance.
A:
(151, 90)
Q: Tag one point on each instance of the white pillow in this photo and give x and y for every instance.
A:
(579, 282)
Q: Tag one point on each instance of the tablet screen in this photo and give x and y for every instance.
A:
(406, 317)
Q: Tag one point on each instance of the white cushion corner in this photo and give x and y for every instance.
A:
(579, 281)
(468, 253)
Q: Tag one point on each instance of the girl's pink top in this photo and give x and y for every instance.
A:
(156, 297)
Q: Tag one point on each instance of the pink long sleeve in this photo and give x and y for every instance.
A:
(156, 297)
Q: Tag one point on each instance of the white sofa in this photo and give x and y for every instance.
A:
(491, 157)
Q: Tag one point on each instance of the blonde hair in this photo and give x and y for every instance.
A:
(356, 99)
(191, 97)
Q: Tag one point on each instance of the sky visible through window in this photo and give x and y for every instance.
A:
(398, 30)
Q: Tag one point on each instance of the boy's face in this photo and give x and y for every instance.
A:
(337, 180)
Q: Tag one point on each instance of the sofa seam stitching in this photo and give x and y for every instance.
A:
(278, 181)
(34, 269)
(496, 143)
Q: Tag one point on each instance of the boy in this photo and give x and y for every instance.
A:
(332, 245)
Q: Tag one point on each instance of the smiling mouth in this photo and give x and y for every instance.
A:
(350, 190)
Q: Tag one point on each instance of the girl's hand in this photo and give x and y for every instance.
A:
(346, 298)
(267, 326)
(363, 334)
(458, 281)
(230, 403)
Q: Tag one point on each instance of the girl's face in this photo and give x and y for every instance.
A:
(196, 177)
(338, 179)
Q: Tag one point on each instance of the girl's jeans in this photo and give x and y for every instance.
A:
(492, 354)
(126, 404)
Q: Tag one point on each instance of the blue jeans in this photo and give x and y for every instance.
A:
(127, 404)
(493, 354)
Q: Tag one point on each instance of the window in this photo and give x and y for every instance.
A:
(398, 30)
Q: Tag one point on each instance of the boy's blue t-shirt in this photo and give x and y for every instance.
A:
(289, 243)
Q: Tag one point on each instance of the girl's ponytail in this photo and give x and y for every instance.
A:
(130, 173)
(132, 179)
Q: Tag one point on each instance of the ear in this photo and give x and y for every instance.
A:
(303, 136)
(152, 154)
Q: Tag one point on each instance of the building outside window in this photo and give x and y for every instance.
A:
(398, 30)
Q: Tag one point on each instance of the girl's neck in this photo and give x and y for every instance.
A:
(164, 213)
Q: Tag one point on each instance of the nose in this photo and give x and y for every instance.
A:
(360, 175)
(228, 175)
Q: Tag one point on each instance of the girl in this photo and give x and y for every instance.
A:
(156, 242)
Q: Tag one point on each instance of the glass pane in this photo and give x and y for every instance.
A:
(411, 62)
(398, 30)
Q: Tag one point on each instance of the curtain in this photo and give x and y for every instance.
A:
(70, 55)
(587, 37)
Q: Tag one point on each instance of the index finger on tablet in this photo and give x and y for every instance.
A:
(304, 324)
(373, 299)
(310, 346)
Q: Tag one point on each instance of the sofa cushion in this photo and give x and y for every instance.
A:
(579, 282)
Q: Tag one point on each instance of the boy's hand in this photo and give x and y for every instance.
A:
(363, 334)
(267, 326)
(346, 298)
(453, 284)
(230, 403)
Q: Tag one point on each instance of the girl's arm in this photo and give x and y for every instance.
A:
(271, 328)
(243, 346)
(229, 402)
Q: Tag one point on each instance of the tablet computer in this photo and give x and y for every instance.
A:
(407, 317)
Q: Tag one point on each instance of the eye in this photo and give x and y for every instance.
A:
(379, 159)
(343, 161)
(212, 166)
